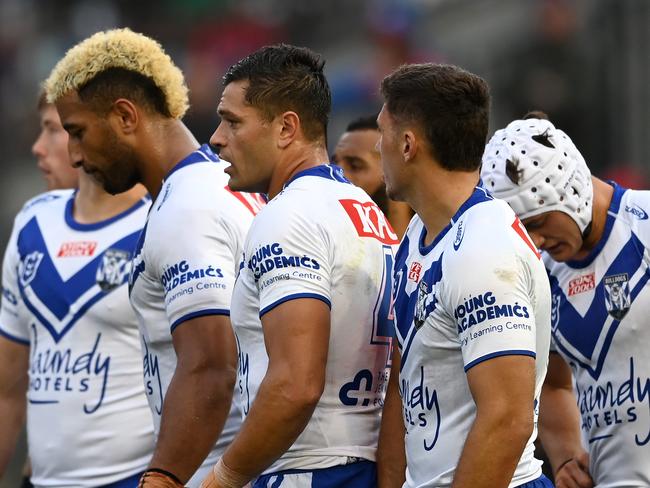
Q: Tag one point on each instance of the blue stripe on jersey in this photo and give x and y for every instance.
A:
(327, 171)
(73, 224)
(492, 355)
(614, 207)
(203, 154)
(405, 305)
(198, 313)
(295, 296)
(138, 267)
(13, 338)
(56, 295)
(583, 332)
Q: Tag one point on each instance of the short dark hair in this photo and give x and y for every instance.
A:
(107, 86)
(285, 77)
(368, 122)
(450, 104)
(535, 114)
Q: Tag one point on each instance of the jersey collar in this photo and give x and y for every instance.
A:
(201, 155)
(479, 195)
(327, 171)
(73, 224)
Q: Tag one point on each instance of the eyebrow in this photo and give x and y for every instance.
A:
(69, 126)
(222, 112)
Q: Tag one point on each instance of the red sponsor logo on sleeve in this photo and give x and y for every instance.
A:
(252, 201)
(582, 284)
(369, 221)
(76, 249)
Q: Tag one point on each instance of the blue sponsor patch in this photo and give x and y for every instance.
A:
(637, 211)
(272, 256)
(483, 307)
(181, 273)
(460, 233)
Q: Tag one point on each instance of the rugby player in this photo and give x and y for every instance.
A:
(69, 339)
(311, 303)
(51, 149)
(595, 237)
(121, 99)
(472, 302)
(358, 155)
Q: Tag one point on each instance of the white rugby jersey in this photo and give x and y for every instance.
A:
(601, 327)
(322, 238)
(65, 297)
(477, 292)
(184, 267)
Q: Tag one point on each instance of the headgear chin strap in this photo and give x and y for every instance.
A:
(536, 168)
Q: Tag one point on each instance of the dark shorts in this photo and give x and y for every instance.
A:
(541, 482)
(130, 482)
(362, 474)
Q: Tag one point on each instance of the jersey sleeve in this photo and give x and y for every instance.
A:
(13, 317)
(195, 262)
(488, 295)
(291, 260)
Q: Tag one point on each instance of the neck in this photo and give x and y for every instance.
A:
(437, 194)
(299, 158)
(603, 194)
(92, 204)
(166, 142)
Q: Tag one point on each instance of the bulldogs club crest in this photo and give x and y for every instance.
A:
(425, 303)
(28, 267)
(113, 269)
(617, 295)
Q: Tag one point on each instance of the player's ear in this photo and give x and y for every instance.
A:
(124, 115)
(409, 145)
(289, 126)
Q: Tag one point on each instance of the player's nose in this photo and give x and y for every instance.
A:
(217, 140)
(38, 148)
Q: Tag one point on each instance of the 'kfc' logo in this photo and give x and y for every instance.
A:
(370, 221)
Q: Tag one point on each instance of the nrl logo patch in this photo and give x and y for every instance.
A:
(113, 269)
(617, 295)
(29, 266)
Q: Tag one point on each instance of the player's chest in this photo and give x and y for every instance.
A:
(415, 287)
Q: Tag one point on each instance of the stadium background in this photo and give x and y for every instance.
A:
(584, 62)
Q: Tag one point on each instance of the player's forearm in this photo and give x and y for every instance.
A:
(279, 414)
(194, 412)
(559, 425)
(493, 449)
(12, 419)
(391, 455)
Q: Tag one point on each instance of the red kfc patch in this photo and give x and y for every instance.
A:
(370, 221)
(582, 284)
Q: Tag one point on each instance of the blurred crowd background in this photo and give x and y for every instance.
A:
(584, 62)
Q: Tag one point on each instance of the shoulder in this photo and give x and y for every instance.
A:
(485, 229)
(198, 193)
(42, 203)
(635, 210)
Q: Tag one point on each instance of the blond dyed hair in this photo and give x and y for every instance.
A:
(123, 49)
